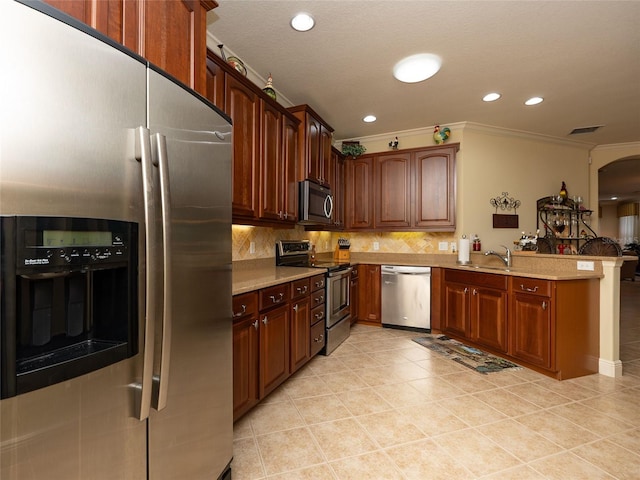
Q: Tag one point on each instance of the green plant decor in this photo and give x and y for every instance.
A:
(353, 149)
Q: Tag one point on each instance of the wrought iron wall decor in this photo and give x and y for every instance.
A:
(505, 203)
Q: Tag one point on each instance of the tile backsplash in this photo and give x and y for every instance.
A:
(264, 240)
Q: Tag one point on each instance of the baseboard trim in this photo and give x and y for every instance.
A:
(610, 368)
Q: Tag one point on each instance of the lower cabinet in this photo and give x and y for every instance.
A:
(369, 294)
(476, 307)
(245, 353)
(276, 330)
(354, 295)
(274, 348)
(551, 326)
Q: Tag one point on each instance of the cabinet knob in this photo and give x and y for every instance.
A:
(475, 292)
(466, 290)
(295, 307)
(265, 320)
(244, 310)
(319, 316)
(544, 305)
(255, 324)
(302, 290)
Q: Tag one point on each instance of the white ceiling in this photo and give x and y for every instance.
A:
(583, 57)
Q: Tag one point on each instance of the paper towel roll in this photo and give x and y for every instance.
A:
(463, 250)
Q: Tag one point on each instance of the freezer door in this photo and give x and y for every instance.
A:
(191, 431)
(69, 106)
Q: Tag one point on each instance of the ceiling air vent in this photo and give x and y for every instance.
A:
(577, 131)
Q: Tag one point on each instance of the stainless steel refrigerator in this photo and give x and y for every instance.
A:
(89, 130)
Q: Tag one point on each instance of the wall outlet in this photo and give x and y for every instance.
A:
(453, 247)
(443, 246)
(584, 265)
(376, 246)
(252, 247)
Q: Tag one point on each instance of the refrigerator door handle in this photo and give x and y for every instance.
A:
(143, 154)
(161, 381)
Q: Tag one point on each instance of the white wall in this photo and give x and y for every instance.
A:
(608, 223)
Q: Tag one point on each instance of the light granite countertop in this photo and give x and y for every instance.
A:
(250, 275)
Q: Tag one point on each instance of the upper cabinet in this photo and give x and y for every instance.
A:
(411, 189)
(314, 146)
(170, 34)
(265, 148)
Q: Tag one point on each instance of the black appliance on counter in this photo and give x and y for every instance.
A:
(295, 253)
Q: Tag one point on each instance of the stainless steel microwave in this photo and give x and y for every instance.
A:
(315, 204)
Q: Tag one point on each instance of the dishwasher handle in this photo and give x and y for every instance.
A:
(404, 270)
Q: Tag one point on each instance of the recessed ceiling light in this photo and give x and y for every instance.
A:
(614, 198)
(491, 97)
(417, 68)
(369, 118)
(534, 101)
(302, 22)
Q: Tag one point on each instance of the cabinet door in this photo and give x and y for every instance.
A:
(325, 164)
(435, 196)
(369, 280)
(300, 333)
(215, 80)
(175, 39)
(313, 166)
(271, 167)
(530, 333)
(290, 162)
(242, 105)
(337, 188)
(106, 16)
(359, 193)
(456, 309)
(245, 365)
(274, 348)
(393, 190)
(354, 300)
(489, 317)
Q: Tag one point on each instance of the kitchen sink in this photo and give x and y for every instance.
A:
(489, 267)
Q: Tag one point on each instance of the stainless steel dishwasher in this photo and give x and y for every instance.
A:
(406, 297)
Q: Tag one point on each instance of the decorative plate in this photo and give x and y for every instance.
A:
(236, 63)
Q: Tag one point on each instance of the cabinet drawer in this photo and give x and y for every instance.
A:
(300, 288)
(317, 314)
(317, 298)
(317, 282)
(245, 305)
(480, 279)
(532, 286)
(272, 296)
(317, 338)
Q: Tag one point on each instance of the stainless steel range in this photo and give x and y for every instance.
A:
(295, 253)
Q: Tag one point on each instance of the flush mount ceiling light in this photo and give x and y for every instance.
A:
(417, 68)
(534, 101)
(491, 97)
(369, 118)
(302, 22)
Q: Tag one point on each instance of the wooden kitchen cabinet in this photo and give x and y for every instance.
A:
(245, 353)
(215, 80)
(475, 308)
(434, 178)
(551, 326)
(354, 295)
(317, 338)
(170, 34)
(338, 189)
(369, 294)
(359, 186)
(314, 144)
(242, 104)
(392, 204)
(300, 311)
(411, 189)
(554, 325)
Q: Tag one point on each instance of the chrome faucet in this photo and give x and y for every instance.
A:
(506, 259)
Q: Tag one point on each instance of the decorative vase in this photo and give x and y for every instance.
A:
(268, 88)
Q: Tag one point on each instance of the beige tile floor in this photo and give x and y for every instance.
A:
(383, 407)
